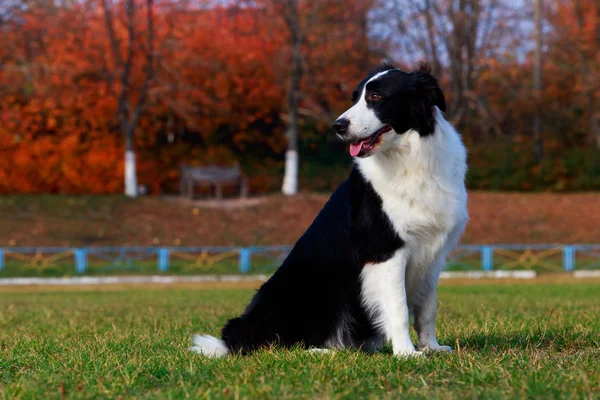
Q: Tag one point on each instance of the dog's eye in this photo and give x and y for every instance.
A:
(375, 97)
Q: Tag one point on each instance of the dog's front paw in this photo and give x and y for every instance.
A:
(320, 351)
(436, 348)
(406, 353)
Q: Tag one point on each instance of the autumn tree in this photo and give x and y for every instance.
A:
(574, 50)
(537, 82)
(319, 35)
(588, 46)
(298, 17)
(131, 100)
(82, 82)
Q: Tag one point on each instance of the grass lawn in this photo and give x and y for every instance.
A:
(527, 340)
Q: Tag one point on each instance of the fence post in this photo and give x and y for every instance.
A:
(81, 260)
(244, 260)
(568, 258)
(487, 258)
(163, 259)
(1, 259)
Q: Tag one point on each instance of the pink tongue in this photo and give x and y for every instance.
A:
(355, 149)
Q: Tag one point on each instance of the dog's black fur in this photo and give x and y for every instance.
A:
(415, 92)
(318, 284)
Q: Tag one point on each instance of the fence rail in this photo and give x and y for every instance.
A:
(35, 261)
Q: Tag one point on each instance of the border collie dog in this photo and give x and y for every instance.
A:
(373, 255)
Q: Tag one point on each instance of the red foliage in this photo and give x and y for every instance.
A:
(220, 82)
(218, 93)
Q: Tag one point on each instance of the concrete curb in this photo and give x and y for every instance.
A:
(170, 279)
(587, 274)
(112, 280)
(489, 274)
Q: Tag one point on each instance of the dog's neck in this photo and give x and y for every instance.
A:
(440, 156)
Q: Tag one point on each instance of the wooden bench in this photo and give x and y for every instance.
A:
(213, 176)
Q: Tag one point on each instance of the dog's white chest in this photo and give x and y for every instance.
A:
(420, 209)
(423, 196)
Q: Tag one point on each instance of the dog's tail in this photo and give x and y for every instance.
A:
(209, 346)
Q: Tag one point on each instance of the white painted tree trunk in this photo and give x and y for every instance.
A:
(130, 174)
(290, 179)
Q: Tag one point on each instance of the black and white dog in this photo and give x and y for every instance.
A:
(373, 255)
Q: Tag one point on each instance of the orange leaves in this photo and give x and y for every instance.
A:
(219, 92)
(221, 78)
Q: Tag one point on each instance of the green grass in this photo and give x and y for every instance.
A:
(511, 341)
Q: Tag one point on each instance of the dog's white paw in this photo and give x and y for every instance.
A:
(436, 348)
(320, 351)
(408, 353)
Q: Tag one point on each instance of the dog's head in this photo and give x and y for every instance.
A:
(388, 103)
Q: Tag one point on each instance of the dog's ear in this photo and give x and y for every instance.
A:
(427, 87)
(439, 99)
(427, 95)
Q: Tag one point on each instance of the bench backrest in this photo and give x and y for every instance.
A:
(210, 173)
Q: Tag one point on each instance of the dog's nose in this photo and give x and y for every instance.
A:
(340, 126)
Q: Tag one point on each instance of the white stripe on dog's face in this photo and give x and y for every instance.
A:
(363, 121)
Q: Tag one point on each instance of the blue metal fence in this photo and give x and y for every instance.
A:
(214, 259)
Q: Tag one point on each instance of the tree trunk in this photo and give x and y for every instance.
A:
(131, 187)
(537, 84)
(129, 114)
(596, 123)
(595, 126)
(589, 84)
(290, 179)
(437, 66)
